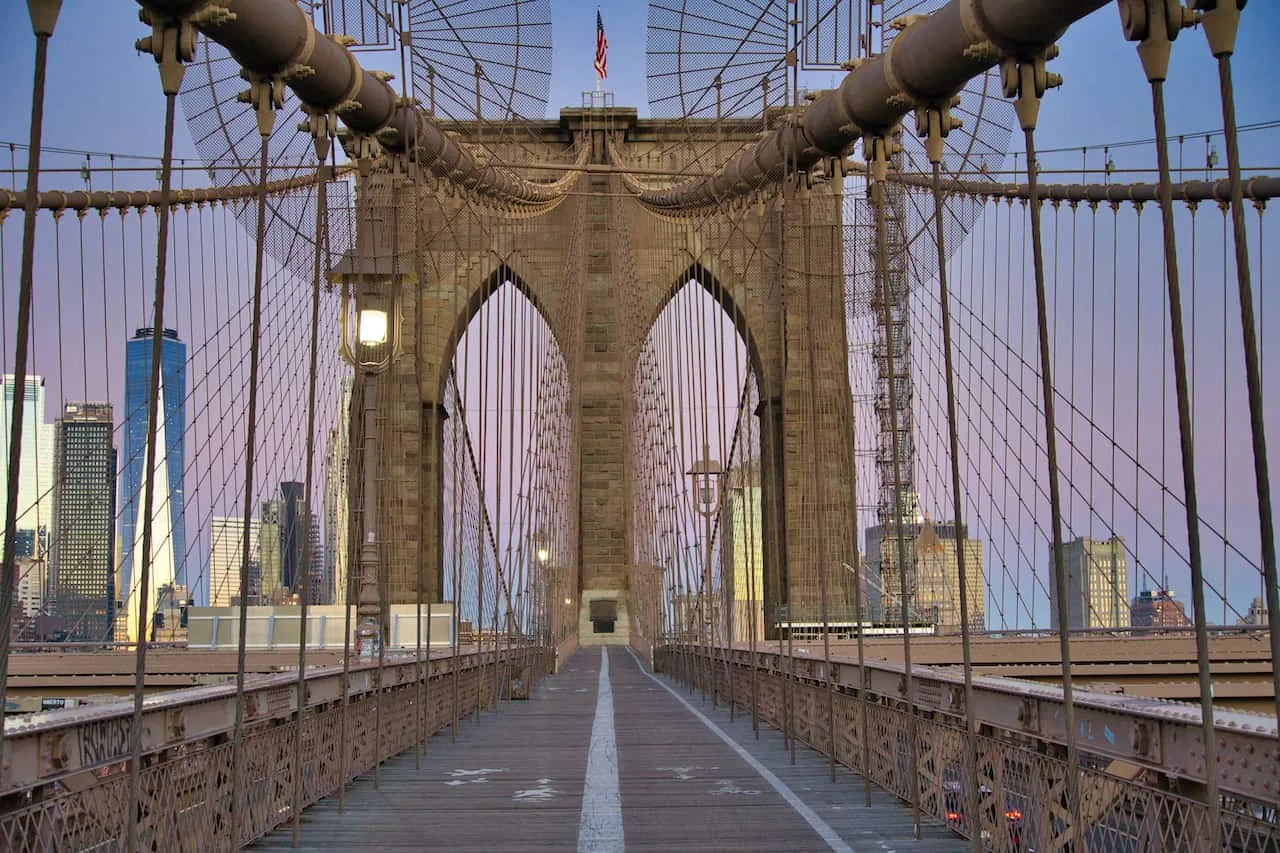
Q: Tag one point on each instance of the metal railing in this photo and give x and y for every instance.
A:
(67, 785)
(1141, 766)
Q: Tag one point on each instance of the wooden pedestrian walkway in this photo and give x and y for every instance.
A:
(607, 757)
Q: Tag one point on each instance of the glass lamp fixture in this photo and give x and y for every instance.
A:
(371, 327)
(374, 342)
(706, 483)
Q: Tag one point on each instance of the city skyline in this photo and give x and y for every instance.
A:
(1148, 553)
(850, 425)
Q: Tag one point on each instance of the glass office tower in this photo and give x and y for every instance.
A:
(169, 546)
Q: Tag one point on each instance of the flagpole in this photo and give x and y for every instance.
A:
(601, 43)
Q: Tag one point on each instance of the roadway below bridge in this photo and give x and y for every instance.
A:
(50, 679)
(1153, 665)
(1157, 666)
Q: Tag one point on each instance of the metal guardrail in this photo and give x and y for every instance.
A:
(1137, 754)
(66, 773)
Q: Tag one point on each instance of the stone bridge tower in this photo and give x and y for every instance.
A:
(599, 267)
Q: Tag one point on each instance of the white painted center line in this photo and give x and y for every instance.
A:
(600, 828)
(820, 826)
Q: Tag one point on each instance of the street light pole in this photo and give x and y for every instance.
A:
(706, 502)
(368, 611)
(370, 348)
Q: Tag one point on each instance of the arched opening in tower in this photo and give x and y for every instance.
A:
(508, 475)
(696, 517)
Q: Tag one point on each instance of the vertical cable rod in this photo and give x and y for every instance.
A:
(938, 118)
(170, 86)
(1028, 81)
(44, 15)
(319, 261)
(878, 164)
(1187, 448)
(1220, 25)
(263, 93)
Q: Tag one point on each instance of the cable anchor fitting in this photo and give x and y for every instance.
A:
(265, 95)
(877, 150)
(322, 126)
(933, 123)
(1154, 24)
(173, 42)
(1221, 20)
(1025, 80)
(362, 148)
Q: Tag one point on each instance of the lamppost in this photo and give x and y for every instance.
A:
(541, 559)
(706, 502)
(677, 611)
(370, 348)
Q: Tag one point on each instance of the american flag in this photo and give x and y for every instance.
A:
(602, 44)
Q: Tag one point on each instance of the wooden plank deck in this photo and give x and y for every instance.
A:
(516, 780)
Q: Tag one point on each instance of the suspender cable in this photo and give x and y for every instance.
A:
(878, 165)
(44, 15)
(1220, 24)
(1027, 81)
(937, 122)
(727, 592)
(429, 426)
(370, 469)
(480, 466)
(266, 95)
(320, 129)
(1155, 48)
(859, 565)
(353, 543)
(170, 61)
(459, 424)
(789, 687)
(698, 304)
(818, 481)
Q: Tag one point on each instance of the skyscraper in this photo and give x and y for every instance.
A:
(1097, 580)
(268, 549)
(226, 552)
(743, 555)
(317, 591)
(933, 577)
(168, 530)
(1157, 608)
(81, 579)
(35, 474)
(293, 533)
(882, 553)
